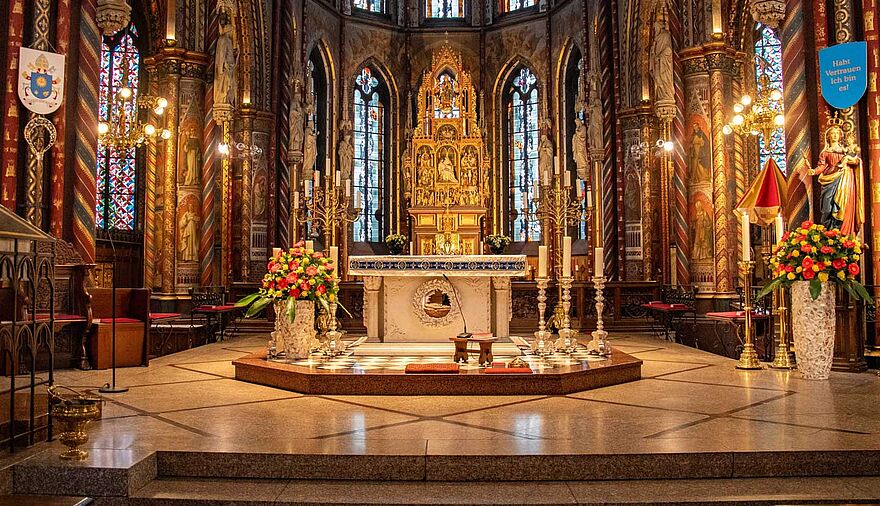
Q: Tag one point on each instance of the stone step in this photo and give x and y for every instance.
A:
(196, 491)
(44, 500)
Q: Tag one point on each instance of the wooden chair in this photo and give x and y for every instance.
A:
(132, 327)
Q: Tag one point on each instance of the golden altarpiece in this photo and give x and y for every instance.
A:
(446, 167)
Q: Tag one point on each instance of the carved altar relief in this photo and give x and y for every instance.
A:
(449, 170)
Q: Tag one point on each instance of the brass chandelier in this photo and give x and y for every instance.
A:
(760, 115)
(124, 129)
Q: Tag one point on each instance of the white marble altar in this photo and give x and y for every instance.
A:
(397, 289)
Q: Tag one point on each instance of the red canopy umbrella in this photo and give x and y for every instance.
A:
(764, 198)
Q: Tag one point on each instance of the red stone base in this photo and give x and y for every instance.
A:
(619, 368)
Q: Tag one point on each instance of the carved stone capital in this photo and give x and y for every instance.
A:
(768, 12)
(665, 109)
(112, 16)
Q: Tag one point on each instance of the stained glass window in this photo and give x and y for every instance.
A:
(117, 170)
(444, 8)
(768, 60)
(515, 5)
(521, 102)
(370, 5)
(370, 99)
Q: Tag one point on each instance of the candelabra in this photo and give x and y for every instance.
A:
(542, 345)
(759, 116)
(748, 359)
(599, 345)
(334, 345)
(326, 209)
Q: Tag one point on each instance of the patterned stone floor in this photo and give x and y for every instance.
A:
(687, 401)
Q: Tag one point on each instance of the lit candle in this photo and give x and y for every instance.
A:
(746, 238)
(542, 262)
(310, 245)
(673, 253)
(566, 257)
(599, 262)
(334, 256)
(780, 228)
(296, 200)
(276, 252)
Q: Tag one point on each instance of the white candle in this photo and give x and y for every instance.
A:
(338, 177)
(746, 238)
(481, 248)
(309, 185)
(347, 190)
(566, 257)
(545, 176)
(276, 252)
(296, 200)
(673, 253)
(599, 262)
(542, 261)
(556, 165)
(567, 180)
(317, 181)
(334, 257)
(410, 248)
(780, 228)
(310, 245)
(327, 167)
(589, 197)
(357, 200)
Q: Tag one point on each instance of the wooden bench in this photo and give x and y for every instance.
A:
(132, 327)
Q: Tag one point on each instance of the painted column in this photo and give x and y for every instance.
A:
(33, 194)
(650, 187)
(245, 217)
(609, 55)
(169, 62)
(872, 194)
(84, 188)
(57, 210)
(11, 107)
(210, 140)
(720, 66)
(679, 176)
(151, 176)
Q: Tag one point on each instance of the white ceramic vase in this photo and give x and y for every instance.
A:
(297, 337)
(812, 326)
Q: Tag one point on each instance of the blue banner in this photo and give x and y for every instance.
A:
(843, 73)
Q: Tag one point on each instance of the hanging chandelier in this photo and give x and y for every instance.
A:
(760, 115)
(124, 129)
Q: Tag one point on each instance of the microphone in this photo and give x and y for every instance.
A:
(465, 334)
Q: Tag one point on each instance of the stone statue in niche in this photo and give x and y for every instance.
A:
(225, 58)
(192, 150)
(698, 158)
(446, 169)
(662, 59)
(702, 233)
(260, 195)
(310, 150)
(545, 156)
(189, 234)
(296, 123)
(595, 113)
(346, 151)
(579, 149)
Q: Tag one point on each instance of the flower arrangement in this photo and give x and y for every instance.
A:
(395, 243)
(816, 254)
(497, 243)
(295, 274)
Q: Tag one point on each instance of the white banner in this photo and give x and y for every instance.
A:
(40, 80)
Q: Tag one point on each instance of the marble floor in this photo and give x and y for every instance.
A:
(687, 401)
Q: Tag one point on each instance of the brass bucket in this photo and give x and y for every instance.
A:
(73, 413)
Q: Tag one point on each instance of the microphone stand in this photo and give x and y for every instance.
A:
(111, 388)
(465, 334)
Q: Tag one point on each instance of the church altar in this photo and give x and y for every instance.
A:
(406, 298)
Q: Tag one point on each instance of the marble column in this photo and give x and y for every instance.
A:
(503, 305)
(372, 305)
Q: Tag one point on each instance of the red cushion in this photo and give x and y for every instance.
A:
(734, 315)
(119, 320)
(215, 309)
(657, 305)
(163, 316)
(431, 369)
(508, 370)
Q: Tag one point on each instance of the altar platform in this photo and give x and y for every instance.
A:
(381, 369)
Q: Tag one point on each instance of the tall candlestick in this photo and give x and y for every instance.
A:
(310, 245)
(780, 228)
(334, 257)
(599, 262)
(746, 238)
(566, 257)
(276, 252)
(542, 262)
